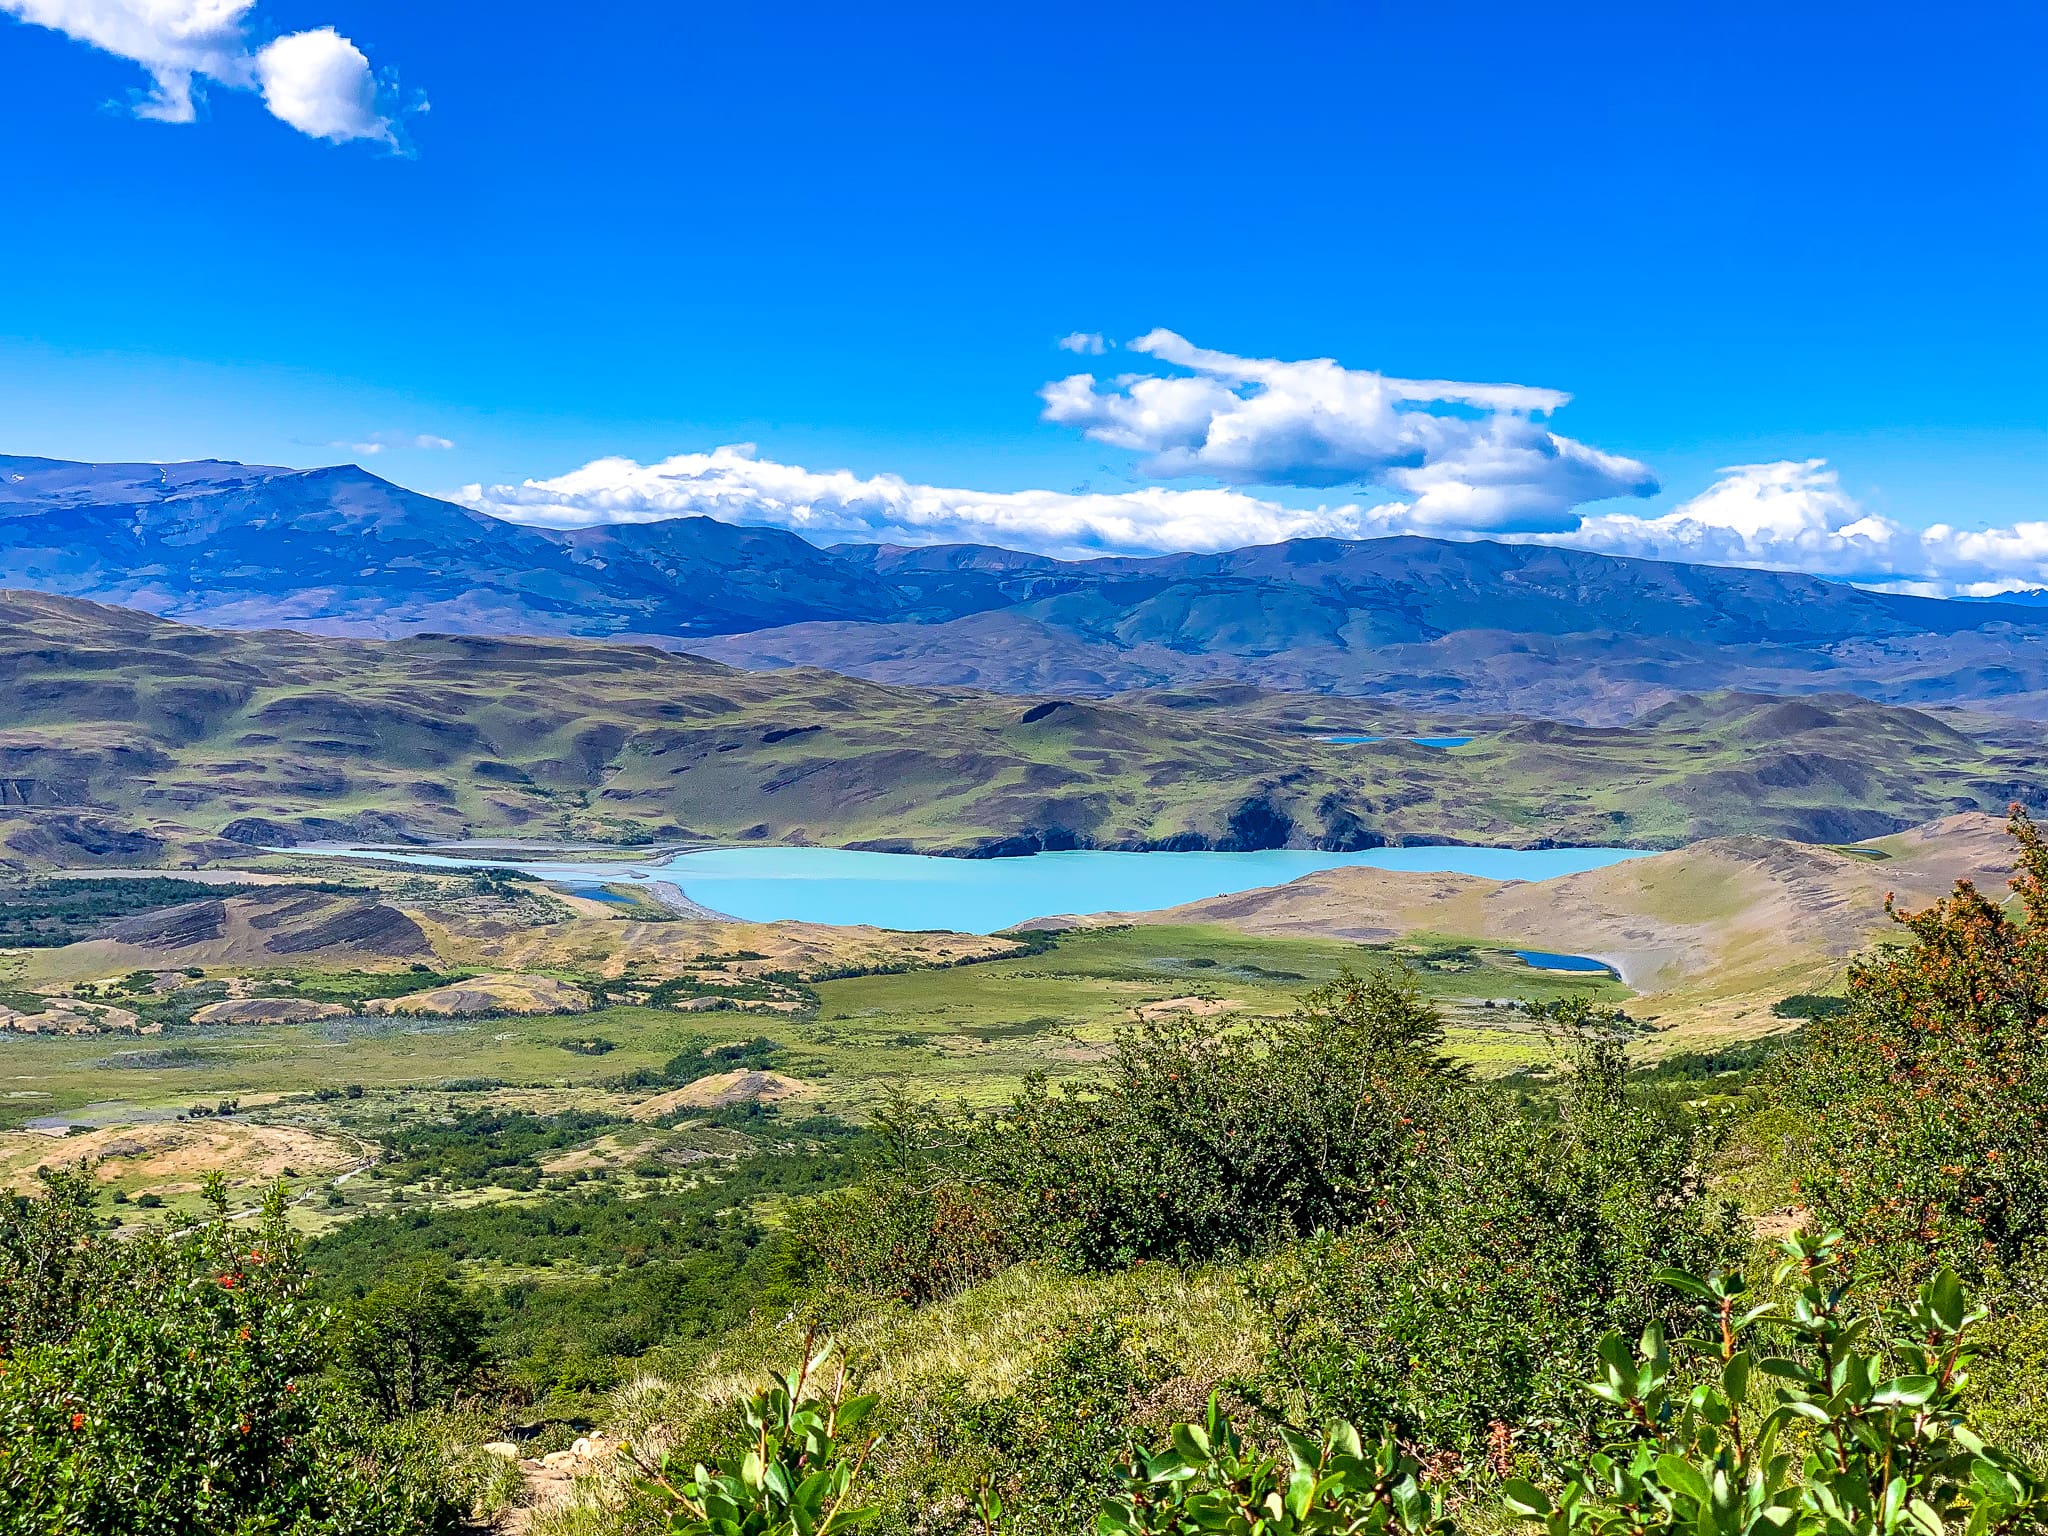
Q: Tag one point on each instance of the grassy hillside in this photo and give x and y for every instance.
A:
(129, 740)
(1712, 935)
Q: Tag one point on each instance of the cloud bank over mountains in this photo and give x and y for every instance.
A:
(735, 485)
(1455, 460)
(317, 80)
(1486, 465)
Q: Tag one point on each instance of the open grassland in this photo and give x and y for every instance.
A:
(125, 739)
(963, 1032)
(1707, 939)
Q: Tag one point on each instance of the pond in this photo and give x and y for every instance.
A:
(1444, 743)
(1543, 960)
(913, 891)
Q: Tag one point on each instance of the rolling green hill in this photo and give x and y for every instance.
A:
(1711, 935)
(129, 739)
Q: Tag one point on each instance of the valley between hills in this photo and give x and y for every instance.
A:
(602, 1116)
(174, 949)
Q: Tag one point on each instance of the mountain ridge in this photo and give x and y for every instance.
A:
(1424, 623)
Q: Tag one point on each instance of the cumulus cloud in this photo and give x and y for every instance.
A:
(1796, 515)
(735, 485)
(1469, 457)
(317, 81)
(1088, 343)
(321, 84)
(1459, 461)
(1793, 514)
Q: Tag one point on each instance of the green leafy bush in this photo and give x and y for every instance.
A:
(1926, 1101)
(917, 1227)
(793, 1474)
(1337, 1484)
(1059, 1443)
(1848, 1430)
(1204, 1143)
(186, 1391)
(1536, 1231)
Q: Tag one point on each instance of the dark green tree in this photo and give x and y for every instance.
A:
(414, 1340)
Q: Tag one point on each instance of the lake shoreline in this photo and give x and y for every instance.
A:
(842, 887)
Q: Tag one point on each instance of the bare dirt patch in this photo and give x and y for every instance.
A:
(498, 994)
(171, 1157)
(1194, 1007)
(719, 1091)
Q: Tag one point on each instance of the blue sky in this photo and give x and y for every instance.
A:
(1760, 235)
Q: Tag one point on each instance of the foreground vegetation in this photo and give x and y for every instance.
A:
(1275, 1270)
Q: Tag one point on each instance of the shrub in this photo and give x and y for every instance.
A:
(186, 1392)
(916, 1227)
(1927, 1099)
(1062, 1438)
(1205, 1143)
(53, 1264)
(792, 1476)
(1333, 1485)
(1847, 1438)
(1466, 1327)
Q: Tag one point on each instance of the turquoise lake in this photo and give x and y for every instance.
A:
(912, 891)
(1443, 743)
(1544, 960)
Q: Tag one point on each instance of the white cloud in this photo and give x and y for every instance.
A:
(1469, 460)
(321, 84)
(317, 81)
(1088, 343)
(735, 485)
(385, 442)
(1468, 457)
(1795, 515)
(1785, 516)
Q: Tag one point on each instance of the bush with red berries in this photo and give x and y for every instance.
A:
(178, 1382)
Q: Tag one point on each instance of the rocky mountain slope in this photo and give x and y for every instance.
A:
(1420, 623)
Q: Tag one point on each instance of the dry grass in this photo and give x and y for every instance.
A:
(171, 1157)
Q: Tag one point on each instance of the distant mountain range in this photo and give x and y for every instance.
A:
(2025, 597)
(1422, 623)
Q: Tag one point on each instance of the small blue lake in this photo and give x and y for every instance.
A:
(1442, 742)
(912, 891)
(1543, 960)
